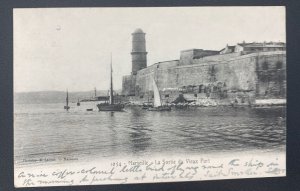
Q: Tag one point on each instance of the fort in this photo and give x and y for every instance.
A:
(244, 74)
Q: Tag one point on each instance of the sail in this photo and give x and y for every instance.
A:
(157, 101)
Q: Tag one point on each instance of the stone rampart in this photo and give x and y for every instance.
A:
(236, 78)
(128, 85)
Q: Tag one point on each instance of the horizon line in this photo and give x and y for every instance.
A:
(61, 91)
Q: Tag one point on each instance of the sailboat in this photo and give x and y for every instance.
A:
(157, 105)
(66, 107)
(110, 106)
(148, 104)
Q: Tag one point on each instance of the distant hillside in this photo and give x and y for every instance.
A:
(55, 96)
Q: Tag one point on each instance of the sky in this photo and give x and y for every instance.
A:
(69, 48)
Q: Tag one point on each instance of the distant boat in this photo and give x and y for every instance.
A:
(78, 103)
(147, 105)
(157, 105)
(66, 107)
(90, 109)
(110, 106)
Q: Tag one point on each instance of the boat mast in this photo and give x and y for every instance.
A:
(111, 82)
(67, 101)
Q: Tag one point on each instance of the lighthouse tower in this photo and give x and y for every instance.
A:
(138, 53)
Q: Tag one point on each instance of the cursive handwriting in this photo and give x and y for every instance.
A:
(158, 170)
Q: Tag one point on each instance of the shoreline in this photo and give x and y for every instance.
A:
(216, 106)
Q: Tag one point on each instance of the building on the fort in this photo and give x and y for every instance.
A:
(244, 74)
(227, 49)
(254, 47)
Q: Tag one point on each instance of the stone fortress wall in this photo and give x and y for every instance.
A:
(207, 76)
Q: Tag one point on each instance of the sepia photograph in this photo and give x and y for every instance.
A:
(148, 94)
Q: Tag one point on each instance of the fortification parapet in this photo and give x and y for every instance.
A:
(244, 77)
(187, 56)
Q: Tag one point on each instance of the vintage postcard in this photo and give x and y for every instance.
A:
(147, 95)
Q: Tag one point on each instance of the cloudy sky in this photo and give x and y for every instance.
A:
(59, 48)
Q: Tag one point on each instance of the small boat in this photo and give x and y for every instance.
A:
(110, 106)
(78, 103)
(90, 109)
(181, 106)
(157, 106)
(66, 107)
(147, 105)
(160, 108)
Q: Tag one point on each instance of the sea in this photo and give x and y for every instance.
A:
(46, 133)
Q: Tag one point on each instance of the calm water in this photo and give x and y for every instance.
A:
(47, 131)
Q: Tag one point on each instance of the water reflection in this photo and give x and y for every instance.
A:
(139, 132)
(140, 138)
